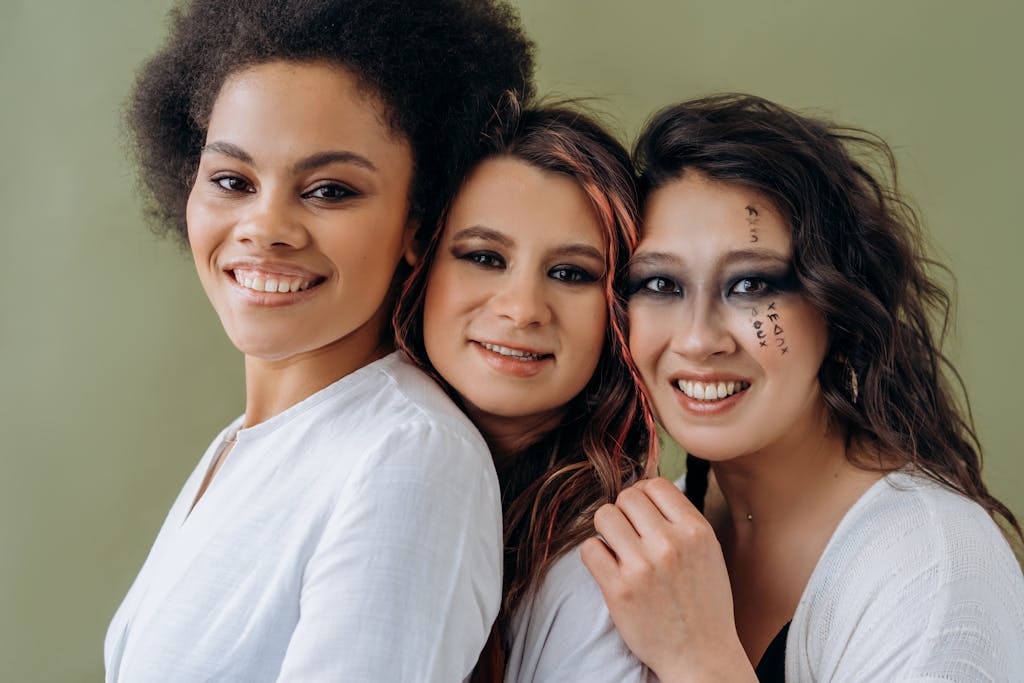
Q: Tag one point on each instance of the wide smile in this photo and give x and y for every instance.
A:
(709, 396)
(269, 282)
(710, 391)
(511, 360)
(271, 285)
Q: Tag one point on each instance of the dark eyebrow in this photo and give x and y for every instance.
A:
(762, 255)
(325, 158)
(303, 165)
(579, 249)
(482, 233)
(228, 150)
(655, 259)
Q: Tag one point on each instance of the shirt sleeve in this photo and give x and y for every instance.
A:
(936, 596)
(564, 633)
(406, 580)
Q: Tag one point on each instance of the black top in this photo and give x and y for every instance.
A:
(772, 667)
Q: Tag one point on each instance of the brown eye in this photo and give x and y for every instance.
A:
(330, 192)
(750, 285)
(661, 285)
(233, 184)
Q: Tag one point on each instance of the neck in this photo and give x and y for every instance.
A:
(803, 479)
(273, 386)
(508, 436)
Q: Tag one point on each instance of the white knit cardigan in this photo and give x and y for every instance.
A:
(916, 584)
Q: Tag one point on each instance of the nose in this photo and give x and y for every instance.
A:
(701, 332)
(520, 298)
(271, 221)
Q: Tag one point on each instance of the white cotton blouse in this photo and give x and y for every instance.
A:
(562, 632)
(354, 537)
(916, 584)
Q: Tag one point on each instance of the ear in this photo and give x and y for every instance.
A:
(410, 245)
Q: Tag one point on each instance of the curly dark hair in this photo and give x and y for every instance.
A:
(438, 67)
(552, 487)
(860, 259)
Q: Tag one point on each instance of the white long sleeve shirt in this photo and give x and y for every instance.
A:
(563, 632)
(916, 584)
(354, 537)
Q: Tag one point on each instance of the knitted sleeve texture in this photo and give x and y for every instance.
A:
(916, 584)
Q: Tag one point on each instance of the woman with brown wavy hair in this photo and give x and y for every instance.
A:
(783, 318)
(513, 307)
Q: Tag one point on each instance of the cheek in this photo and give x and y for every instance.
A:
(201, 229)
(440, 302)
(787, 336)
(648, 334)
(590, 323)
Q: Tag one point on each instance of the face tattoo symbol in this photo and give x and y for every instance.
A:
(752, 217)
(774, 316)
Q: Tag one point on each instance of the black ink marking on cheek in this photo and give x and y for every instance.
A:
(777, 331)
(759, 333)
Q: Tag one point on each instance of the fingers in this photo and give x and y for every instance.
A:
(670, 501)
(599, 561)
(641, 512)
(619, 535)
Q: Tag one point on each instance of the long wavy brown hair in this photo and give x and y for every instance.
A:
(860, 258)
(552, 487)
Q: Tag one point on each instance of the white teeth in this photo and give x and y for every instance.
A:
(512, 353)
(710, 391)
(277, 284)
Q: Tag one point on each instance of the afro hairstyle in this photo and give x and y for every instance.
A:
(438, 68)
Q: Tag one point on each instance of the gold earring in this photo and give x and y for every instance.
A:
(852, 383)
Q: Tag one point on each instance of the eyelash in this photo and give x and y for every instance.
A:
(766, 287)
(648, 286)
(230, 184)
(570, 274)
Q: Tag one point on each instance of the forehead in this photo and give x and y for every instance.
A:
(526, 203)
(294, 107)
(704, 218)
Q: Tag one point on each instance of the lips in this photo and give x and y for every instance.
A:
(512, 361)
(264, 281)
(513, 353)
(710, 390)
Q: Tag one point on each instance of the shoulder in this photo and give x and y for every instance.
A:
(909, 521)
(910, 563)
(391, 410)
(563, 631)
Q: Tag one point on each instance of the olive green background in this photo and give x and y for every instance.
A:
(115, 372)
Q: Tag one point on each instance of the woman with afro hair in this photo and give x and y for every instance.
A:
(348, 525)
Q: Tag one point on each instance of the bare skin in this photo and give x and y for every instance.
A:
(701, 600)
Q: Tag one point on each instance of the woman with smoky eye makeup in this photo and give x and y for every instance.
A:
(783, 321)
(513, 307)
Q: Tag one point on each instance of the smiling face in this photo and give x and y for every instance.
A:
(727, 346)
(515, 311)
(299, 212)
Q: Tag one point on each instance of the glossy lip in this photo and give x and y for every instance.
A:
(707, 408)
(271, 299)
(511, 366)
